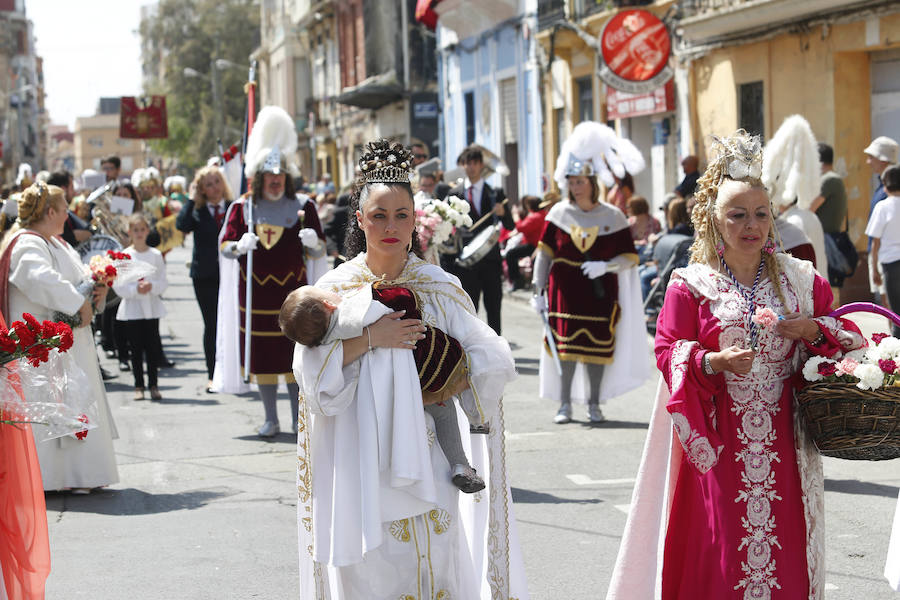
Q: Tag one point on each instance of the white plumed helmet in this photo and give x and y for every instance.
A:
(272, 143)
(595, 149)
(790, 168)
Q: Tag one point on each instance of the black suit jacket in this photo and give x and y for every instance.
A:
(490, 197)
(205, 261)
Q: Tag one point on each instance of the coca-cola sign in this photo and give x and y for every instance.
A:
(635, 47)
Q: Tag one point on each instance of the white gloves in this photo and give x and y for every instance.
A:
(539, 303)
(593, 269)
(308, 237)
(247, 243)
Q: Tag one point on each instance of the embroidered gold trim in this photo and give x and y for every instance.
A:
(400, 530)
(270, 378)
(546, 249)
(560, 315)
(428, 357)
(440, 519)
(254, 333)
(261, 312)
(584, 331)
(271, 277)
(440, 364)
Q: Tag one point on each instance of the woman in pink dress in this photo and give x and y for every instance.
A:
(744, 512)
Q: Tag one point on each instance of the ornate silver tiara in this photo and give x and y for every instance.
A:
(385, 163)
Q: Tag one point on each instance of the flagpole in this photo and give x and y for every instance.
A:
(250, 89)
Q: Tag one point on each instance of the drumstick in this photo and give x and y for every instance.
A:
(485, 216)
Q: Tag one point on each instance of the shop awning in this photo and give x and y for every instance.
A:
(425, 13)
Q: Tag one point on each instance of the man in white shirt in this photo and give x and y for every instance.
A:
(884, 231)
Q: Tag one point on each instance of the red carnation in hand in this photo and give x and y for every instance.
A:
(25, 335)
(32, 323)
(877, 337)
(888, 366)
(65, 337)
(49, 329)
(827, 369)
(7, 344)
(110, 270)
(38, 354)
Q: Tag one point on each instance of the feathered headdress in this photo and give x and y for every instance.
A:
(595, 149)
(175, 183)
(272, 143)
(791, 164)
(24, 175)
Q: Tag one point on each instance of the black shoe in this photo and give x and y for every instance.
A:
(166, 363)
(106, 375)
(124, 366)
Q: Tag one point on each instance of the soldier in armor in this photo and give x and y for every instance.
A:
(288, 252)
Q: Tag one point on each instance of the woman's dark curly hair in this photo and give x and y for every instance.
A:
(376, 154)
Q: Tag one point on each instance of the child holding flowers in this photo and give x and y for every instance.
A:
(142, 307)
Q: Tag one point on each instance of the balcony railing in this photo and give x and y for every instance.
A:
(550, 11)
(695, 7)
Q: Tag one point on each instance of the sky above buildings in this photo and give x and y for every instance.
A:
(90, 48)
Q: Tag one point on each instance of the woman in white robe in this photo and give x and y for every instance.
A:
(41, 272)
(378, 516)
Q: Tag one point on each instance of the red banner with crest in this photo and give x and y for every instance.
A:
(143, 117)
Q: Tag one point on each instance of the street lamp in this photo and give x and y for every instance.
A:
(223, 63)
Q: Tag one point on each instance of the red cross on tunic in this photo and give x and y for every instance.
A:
(269, 232)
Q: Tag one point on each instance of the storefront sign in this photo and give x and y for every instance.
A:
(621, 105)
(635, 47)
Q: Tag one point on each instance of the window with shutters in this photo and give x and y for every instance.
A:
(509, 111)
(750, 107)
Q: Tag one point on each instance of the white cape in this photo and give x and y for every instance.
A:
(892, 566)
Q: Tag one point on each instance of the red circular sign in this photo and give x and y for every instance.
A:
(635, 45)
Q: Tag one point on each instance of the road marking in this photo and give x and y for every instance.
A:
(623, 507)
(580, 479)
(518, 436)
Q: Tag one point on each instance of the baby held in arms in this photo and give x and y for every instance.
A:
(313, 316)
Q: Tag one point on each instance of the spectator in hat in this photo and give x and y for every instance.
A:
(880, 154)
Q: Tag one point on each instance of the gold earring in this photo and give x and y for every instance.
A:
(409, 246)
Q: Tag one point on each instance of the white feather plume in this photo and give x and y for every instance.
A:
(598, 144)
(273, 127)
(791, 164)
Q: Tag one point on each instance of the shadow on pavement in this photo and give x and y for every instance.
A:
(285, 437)
(854, 486)
(612, 424)
(131, 501)
(521, 496)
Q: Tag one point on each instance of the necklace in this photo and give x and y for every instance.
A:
(752, 329)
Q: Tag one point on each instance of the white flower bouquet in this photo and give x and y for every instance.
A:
(437, 220)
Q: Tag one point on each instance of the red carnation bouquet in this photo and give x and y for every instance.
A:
(54, 387)
(33, 340)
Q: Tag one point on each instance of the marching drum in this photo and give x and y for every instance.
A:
(479, 247)
(97, 244)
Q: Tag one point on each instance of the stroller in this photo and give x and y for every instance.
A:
(671, 252)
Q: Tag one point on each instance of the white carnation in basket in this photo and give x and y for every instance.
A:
(890, 348)
(811, 368)
(870, 377)
(859, 355)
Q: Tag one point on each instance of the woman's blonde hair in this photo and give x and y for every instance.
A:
(739, 158)
(34, 203)
(200, 198)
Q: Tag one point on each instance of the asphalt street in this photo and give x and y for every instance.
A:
(206, 509)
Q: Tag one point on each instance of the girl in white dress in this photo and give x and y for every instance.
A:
(39, 273)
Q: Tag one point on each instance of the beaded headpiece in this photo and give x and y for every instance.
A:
(741, 154)
(385, 162)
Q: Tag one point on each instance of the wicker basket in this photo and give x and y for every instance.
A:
(847, 422)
